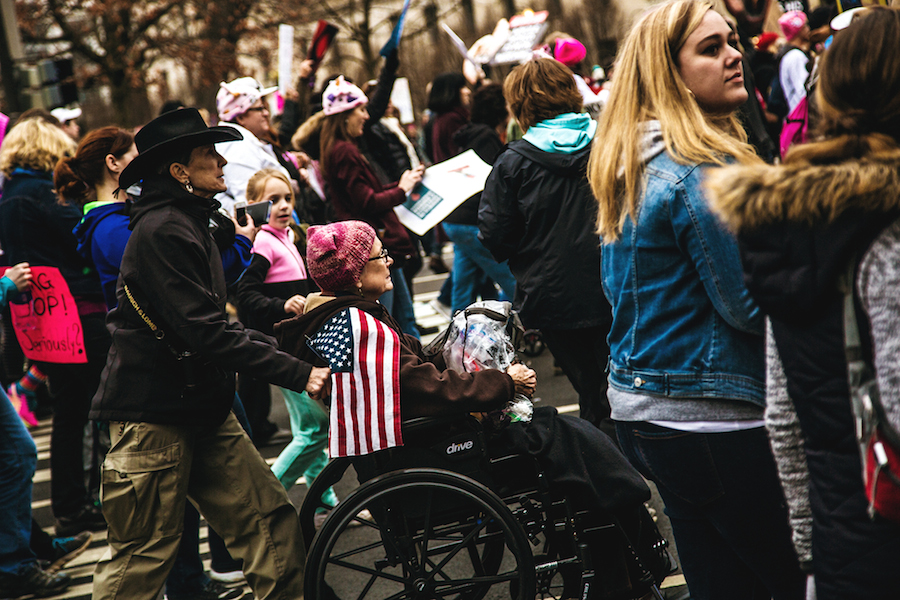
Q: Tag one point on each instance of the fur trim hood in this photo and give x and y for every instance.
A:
(749, 197)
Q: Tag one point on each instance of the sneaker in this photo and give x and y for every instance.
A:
(227, 577)
(212, 590)
(66, 549)
(90, 518)
(33, 581)
(20, 403)
(363, 515)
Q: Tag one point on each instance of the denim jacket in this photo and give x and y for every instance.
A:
(684, 324)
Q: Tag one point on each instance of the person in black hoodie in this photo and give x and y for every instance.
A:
(471, 260)
(168, 385)
(538, 212)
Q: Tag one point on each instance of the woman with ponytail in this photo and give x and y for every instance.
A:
(90, 179)
(833, 206)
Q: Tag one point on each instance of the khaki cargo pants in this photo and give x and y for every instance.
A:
(148, 473)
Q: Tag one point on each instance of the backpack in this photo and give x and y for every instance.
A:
(776, 103)
(879, 441)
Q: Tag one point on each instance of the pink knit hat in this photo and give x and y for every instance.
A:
(337, 253)
(341, 95)
(569, 51)
(791, 23)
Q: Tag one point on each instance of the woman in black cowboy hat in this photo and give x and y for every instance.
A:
(168, 385)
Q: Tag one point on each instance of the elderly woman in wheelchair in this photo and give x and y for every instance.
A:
(460, 507)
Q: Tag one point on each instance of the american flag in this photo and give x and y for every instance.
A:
(364, 356)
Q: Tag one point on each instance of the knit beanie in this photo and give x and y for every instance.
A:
(569, 51)
(341, 95)
(337, 253)
(791, 23)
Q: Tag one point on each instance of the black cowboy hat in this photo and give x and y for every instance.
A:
(175, 131)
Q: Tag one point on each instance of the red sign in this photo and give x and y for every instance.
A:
(46, 320)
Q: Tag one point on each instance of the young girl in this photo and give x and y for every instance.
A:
(272, 289)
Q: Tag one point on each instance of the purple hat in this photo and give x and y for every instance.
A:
(341, 95)
(337, 253)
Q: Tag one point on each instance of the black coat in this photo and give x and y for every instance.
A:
(174, 270)
(537, 211)
(36, 228)
(488, 146)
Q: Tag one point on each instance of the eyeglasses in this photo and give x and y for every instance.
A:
(258, 108)
(383, 255)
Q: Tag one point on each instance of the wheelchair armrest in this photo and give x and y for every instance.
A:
(419, 424)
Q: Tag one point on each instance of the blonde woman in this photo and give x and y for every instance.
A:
(686, 370)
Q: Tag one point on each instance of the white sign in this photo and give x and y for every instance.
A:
(285, 57)
(445, 186)
(402, 99)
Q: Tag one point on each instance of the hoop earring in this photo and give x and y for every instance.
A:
(188, 187)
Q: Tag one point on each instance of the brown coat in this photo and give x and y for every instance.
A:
(426, 388)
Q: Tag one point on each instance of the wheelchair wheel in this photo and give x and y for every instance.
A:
(435, 534)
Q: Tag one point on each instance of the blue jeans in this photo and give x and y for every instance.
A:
(469, 254)
(728, 512)
(399, 303)
(18, 461)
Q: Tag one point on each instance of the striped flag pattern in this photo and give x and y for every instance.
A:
(364, 356)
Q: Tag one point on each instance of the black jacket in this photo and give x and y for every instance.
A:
(537, 211)
(799, 227)
(174, 270)
(36, 228)
(488, 146)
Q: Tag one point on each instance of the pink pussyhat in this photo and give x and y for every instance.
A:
(569, 51)
(791, 23)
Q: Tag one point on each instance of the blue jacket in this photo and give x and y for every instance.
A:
(103, 233)
(684, 324)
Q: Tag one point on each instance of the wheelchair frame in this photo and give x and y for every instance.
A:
(460, 532)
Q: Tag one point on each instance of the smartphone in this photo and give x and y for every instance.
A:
(240, 212)
(259, 211)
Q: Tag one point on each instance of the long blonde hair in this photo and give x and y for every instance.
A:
(647, 85)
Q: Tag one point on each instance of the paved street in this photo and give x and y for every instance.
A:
(553, 390)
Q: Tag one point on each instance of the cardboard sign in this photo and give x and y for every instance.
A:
(285, 58)
(444, 187)
(46, 320)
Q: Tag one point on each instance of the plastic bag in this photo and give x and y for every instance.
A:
(484, 336)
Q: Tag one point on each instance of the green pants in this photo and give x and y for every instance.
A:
(306, 454)
(148, 473)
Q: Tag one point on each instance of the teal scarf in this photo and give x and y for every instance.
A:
(563, 134)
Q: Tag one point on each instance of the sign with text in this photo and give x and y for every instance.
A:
(444, 187)
(46, 321)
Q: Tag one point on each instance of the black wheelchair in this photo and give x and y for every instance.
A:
(441, 518)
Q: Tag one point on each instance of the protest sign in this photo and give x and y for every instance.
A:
(320, 43)
(445, 186)
(394, 41)
(285, 57)
(46, 321)
(402, 100)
